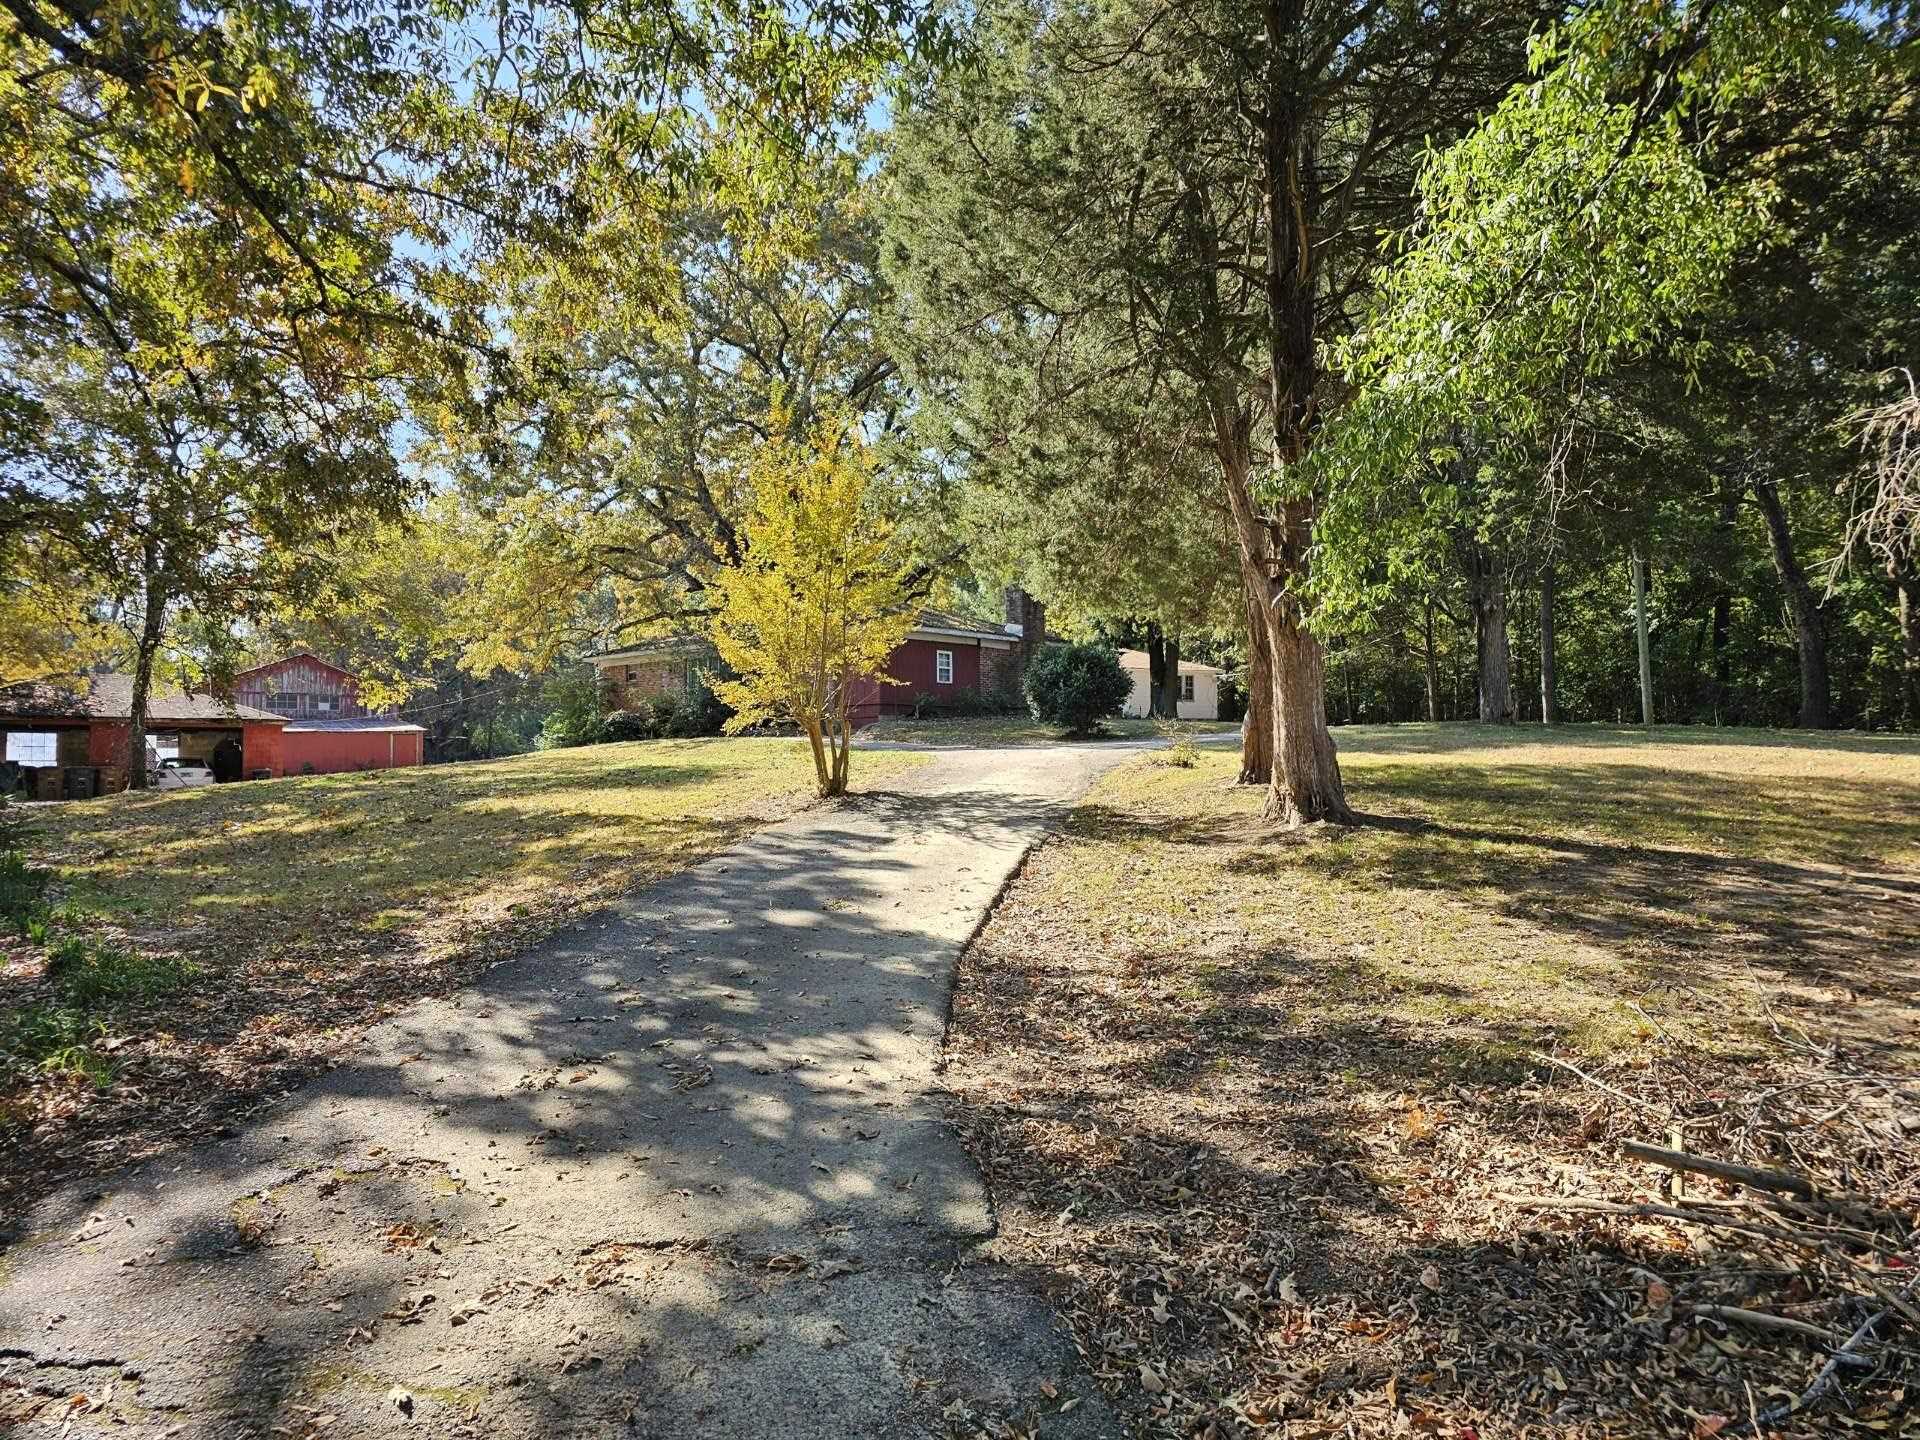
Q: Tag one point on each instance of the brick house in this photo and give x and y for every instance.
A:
(944, 655)
(295, 716)
(633, 675)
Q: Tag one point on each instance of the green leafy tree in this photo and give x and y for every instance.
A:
(1198, 209)
(1620, 287)
(240, 248)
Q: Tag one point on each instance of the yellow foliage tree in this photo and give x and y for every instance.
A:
(819, 601)
(53, 623)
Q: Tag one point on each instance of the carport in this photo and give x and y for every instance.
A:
(68, 739)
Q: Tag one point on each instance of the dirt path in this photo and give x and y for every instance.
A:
(680, 1172)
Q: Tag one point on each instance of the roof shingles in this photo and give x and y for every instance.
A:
(110, 697)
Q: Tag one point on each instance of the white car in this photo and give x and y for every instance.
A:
(176, 774)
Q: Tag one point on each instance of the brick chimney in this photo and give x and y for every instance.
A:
(1030, 616)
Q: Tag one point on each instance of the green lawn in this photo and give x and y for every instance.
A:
(1200, 1057)
(301, 908)
(987, 730)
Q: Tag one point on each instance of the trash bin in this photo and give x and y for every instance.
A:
(79, 783)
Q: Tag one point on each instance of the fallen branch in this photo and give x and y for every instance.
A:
(1617, 1094)
(1847, 1354)
(1779, 1181)
(1766, 1320)
(1659, 1212)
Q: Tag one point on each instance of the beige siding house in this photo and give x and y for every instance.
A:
(1199, 687)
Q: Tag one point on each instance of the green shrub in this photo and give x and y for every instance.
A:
(1183, 754)
(57, 1038)
(1076, 686)
(677, 716)
(630, 725)
(90, 973)
(702, 712)
(967, 703)
(576, 703)
(21, 889)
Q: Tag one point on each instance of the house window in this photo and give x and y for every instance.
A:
(943, 667)
(633, 673)
(25, 749)
(1186, 687)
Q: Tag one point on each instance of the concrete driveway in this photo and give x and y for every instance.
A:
(680, 1172)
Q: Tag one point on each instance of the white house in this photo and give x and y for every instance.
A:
(1199, 687)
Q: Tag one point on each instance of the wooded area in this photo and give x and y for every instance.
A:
(1493, 363)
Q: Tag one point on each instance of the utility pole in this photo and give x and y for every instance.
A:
(1640, 626)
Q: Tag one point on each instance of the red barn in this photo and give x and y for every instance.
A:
(327, 730)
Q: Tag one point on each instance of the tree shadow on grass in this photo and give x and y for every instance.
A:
(1259, 1198)
(1456, 737)
(312, 907)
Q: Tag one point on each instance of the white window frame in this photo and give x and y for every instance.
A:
(1186, 689)
(39, 742)
(943, 667)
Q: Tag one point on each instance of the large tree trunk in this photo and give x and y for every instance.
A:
(1256, 731)
(153, 624)
(1809, 633)
(1156, 670)
(1549, 692)
(1172, 693)
(1306, 773)
(1641, 645)
(1487, 598)
(1906, 580)
(1433, 665)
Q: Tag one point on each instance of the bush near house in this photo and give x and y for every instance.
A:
(967, 703)
(670, 717)
(1076, 686)
(577, 710)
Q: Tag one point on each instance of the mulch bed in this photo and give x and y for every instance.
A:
(1265, 1207)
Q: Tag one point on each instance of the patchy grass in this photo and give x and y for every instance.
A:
(988, 730)
(1261, 1103)
(216, 943)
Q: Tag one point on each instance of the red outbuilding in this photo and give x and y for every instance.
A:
(328, 729)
